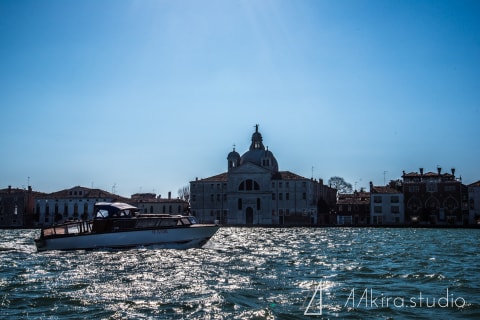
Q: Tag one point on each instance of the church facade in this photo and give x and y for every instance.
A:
(253, 191)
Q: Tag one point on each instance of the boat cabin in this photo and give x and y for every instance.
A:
(116, 217)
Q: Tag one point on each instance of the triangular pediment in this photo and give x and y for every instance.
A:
(249, 168)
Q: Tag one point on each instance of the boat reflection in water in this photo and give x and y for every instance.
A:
(120, 225)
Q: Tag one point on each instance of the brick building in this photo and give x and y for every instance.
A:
(435, 198)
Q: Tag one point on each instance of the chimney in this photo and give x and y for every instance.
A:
(169, 195)
(439, 169)
(453, 172)
(421, 171)
(9, 189)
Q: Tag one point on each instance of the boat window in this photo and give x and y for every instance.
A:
(167, 222)
(125, 213)
(185, 221)
(192, 220)
(146, 223)
(102, 213)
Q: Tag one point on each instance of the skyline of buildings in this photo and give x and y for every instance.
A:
(253, 191)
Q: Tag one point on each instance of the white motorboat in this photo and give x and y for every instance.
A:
(120, 225)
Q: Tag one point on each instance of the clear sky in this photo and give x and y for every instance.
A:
(145, 96)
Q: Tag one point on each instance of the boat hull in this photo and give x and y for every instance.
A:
(194, 236)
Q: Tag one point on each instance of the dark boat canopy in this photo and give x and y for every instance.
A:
(114, 209)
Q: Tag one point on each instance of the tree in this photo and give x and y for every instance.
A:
(340, 184)
(184, 193)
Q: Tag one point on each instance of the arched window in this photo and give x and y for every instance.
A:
(249, 185)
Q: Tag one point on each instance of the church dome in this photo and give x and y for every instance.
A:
(233, 159)
(258, 155)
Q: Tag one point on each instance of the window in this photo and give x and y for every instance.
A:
(304, 196)
(394, 199)
(413, 189)
(377, 199)
(258, 203)
(287, 196)
(395, 209)
(377, 209)
(239, 204)
(431, 186)
(280, 196)
(450, 188)
(273, 196)
(377, 219)
(249, 185)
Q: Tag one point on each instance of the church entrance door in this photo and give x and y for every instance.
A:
(249, 215)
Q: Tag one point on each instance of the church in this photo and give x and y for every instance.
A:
(253, 191)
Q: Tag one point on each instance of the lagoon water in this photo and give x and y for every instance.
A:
(251, 273)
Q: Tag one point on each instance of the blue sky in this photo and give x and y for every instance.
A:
(148, 95)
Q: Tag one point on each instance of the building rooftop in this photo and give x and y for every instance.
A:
(382, 189)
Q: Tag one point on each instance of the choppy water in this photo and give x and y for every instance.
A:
(251, 273)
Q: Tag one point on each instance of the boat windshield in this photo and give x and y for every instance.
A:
(114, 210)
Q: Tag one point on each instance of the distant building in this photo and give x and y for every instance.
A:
(150, 203)
(474, 203)
(386, 205)
(16, 207)
(354, 208)
(255, 192)
(70, 204)
(435, 198)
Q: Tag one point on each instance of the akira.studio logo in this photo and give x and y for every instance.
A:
(368, 298)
